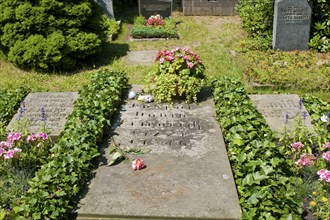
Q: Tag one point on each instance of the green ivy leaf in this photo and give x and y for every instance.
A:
(115, 158)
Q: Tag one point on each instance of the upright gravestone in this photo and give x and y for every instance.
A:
(148, 8)
(52, 107)
(292, 21)
(107, 7)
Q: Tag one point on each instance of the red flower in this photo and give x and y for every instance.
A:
(138, 164)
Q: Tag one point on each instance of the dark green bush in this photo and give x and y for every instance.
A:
(51, 34)
(56, 183)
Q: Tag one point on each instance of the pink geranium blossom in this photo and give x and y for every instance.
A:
(42, 136)
(6, 144)
(9, 154)
(190, 64)
(31, 137)
(161, 60)
(306, 160)
(14, 136)
(2, 151)
(326, 155)
(326, 145)
(324, 175)
(297, 145)
(138, 164)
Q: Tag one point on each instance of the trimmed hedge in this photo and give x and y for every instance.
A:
(57, 183)
(264, 179)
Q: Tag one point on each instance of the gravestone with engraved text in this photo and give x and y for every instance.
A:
(209, 7)
(56, 106)
(281, 110)
(291, 28)
(148, 8)
(188, 174)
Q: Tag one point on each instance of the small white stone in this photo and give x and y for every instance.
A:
(145, 98)
(225, 176)
(325, 118)
(131, 95)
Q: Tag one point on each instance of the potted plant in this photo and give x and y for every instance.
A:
(178, 73)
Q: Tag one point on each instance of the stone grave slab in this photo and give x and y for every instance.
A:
(153, 7)
(56, 105)
(275, 108)
(142, 57)
(291, 27)
(188, 174)
(209, 7)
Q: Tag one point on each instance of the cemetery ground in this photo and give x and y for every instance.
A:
(225, 50)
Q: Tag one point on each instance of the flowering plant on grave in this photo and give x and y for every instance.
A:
(178, 72)
(155, 20)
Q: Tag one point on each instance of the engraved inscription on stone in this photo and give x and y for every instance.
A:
(294, 14)
(56, 106)
(291, 26)
(281, 110)
(148, 8)
(177, 127)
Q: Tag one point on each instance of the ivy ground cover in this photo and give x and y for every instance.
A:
(271, 182)
(52, 190)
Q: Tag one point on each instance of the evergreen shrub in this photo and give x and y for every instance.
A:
(51, 34)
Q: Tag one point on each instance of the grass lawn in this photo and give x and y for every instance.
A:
(218, 40)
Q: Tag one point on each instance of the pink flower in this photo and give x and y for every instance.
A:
(42, 136)
(324, 175)
(138, 164)
(31, 137)
(185, 57)
(326, 155)
(14, 136)
(297, 145)
(9, 154)
(161, 60)
(306, 160)
(6, 144)
(2, 151)
(326, 145)
(169, 58)
(190, 64)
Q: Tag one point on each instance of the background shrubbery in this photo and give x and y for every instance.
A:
(51, 34)
(257, 18)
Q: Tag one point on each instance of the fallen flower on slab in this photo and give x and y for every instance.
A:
(138, 164)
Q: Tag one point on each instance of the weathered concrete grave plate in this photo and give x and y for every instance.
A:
(188, 174)
(275, 107)
(57, 106)
(143, 57)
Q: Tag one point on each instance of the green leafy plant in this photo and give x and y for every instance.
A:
(9, 103)
(53, 189)
(165, 28)
(178, 72)
(265, 180)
